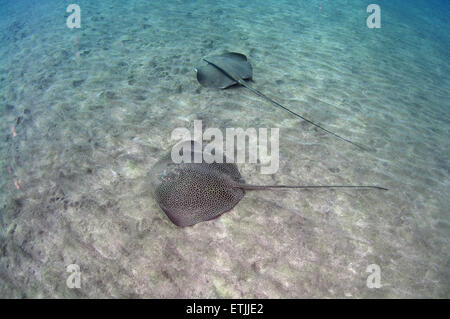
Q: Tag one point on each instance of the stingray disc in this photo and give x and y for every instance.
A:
(190, 193)
(210, 76)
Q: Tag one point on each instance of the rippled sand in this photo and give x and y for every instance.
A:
(73, 186)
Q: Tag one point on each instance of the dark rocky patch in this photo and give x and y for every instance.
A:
(77, 83)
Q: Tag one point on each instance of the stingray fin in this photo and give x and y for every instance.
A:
(200, 76)
(227, 86)
(235, 55)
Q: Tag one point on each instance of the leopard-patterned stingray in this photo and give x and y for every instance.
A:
(190, 193)
(225, 70)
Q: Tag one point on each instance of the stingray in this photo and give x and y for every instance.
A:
(228, 69)
(190, 193)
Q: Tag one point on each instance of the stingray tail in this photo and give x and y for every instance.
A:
(298, 115)
(243, 83)
(262, 187)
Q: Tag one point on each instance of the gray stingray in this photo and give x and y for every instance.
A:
(190, 193)
(227, 69)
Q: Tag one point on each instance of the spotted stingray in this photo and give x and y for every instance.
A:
(228, 69)
(190, 193)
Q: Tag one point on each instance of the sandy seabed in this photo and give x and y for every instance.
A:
(87, 112)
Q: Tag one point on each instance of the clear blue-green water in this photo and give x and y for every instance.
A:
(86, 112)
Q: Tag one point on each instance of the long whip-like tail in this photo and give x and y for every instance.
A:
(244, 84)
(260, 187)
